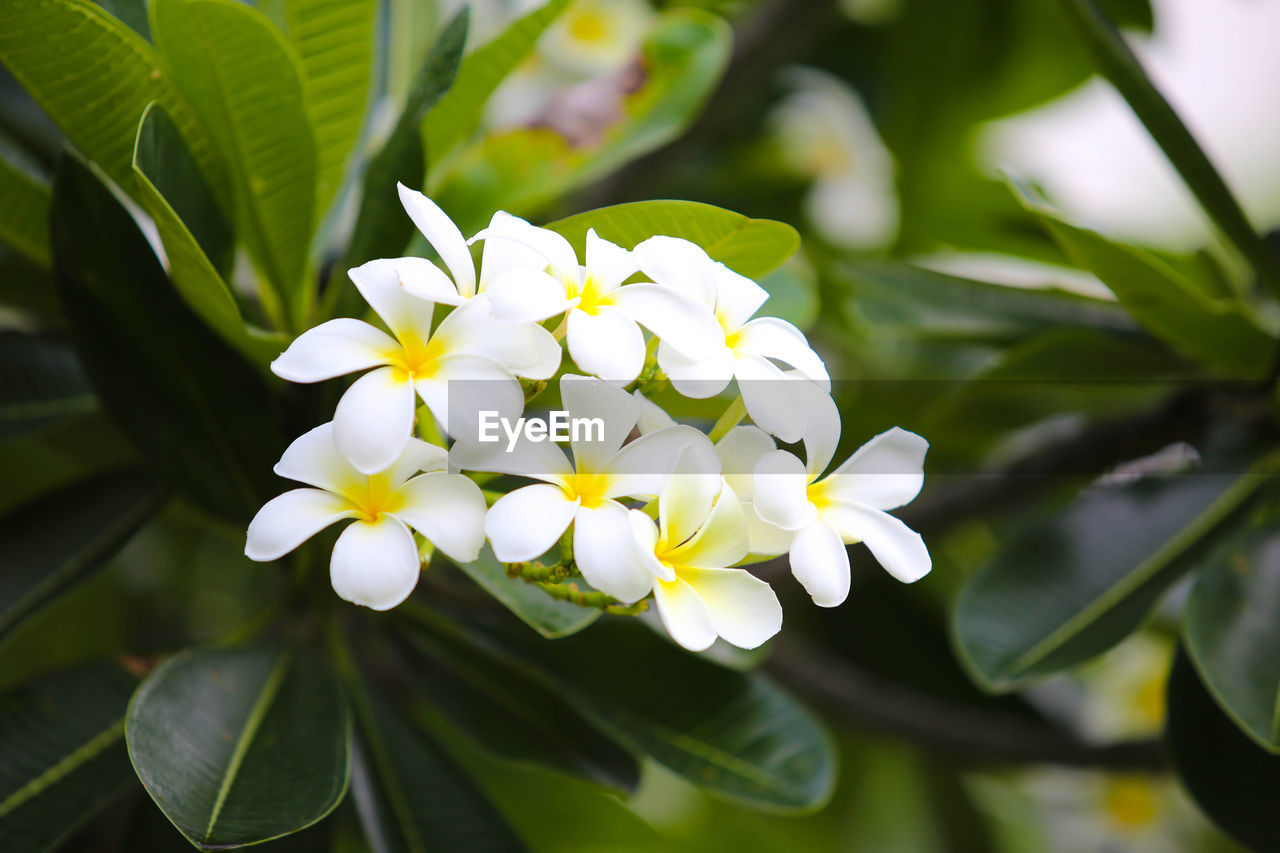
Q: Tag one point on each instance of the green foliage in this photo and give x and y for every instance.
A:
(40, 382)
(547, 616)
(62, 737)
(243, 745)
(24, 204)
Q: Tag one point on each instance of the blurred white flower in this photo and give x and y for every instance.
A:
(736, 346)
(596, 37)
(525, 523)
(700, 532)
(846, 506)
(375, 561)
(1217, 64)
(825, 134)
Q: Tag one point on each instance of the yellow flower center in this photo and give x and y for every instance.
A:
(588, 27)
(415, 358)
(588, 488)
(373, 496)
(591, 294)
(1130, 802)
(819, 495)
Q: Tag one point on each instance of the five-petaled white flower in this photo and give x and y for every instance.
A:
(739, 347)
(701, 531)
(375, 561)
(374, 418)
(536, 276)
(846, 506)
(525, 524)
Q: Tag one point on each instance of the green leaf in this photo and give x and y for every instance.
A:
(410, 795)
(242, 78)
(27, 286)
(130, 12)
(70, 449)
(505, 707)
(1071, 586)
(197, 412)
(64, 759)
(239, 746)
(1231, 779)
(45, 43)
(40, 382)
(56, 541)
(165, 171)
(735, 734)
(382, 229)
(549, 617)
(334, 43)
(458, 114)
(752, 247)
(1232, 630)
(24, 204)
(1213, 331)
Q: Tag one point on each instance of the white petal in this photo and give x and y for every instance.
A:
(608, 263)
(645, 533)
(821, 427)
(526, 296)
(332, 349)
(641, 469)
(554, 249)
(737, 297)
(417, 456)
(698, 378)
(313, 458)
(886, 472)
(605, 551)
(470, 330)
(652, 416)
(765, 539)
(374, 419)
(774, 338)
(502, 255)
(781, 491)
(524, 524)
(286, 521)
(684, 615)
(539, 460)
(423, 279)
(375, 563)
(463, 386)
(548, 352)
(678, 264)
(615, 409)
(721, 540)
(608, 344)
(743, 609)
(679, 321)
(821, 563)
(443, 236)
(449, 510)
(778, 403)
(739, 451)
(407, 316)
(686, 500)
(895, 546)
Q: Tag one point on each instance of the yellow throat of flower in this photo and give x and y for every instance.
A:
(415, 358)
(589, 488)
(372, 496)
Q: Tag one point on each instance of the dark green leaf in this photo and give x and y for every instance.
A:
(243, 79)
(752, 247)
(1232, 780)
(24, 204)
(27, 286)
(549, 617)
(412, 797)
(1073, 585)
(64, 758)
(40, 382)
(166, 176)
(130, 12)
(1216, 332)
(382, 229)
(196, 410)
(735, 734)
(71, 449)
(1233, 630)
(52, 543)
(239, 746)
(458, 114)
(46, 43)
(506, 708)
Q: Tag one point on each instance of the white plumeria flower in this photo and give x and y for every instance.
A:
(846, 506)
(596, 37)
(701, 531)
(739, 452)
(374, 418)
(375, 561)
(533, 274)
(525, 523)
(739, 347)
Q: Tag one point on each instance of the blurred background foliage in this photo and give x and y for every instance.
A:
(1015, 699)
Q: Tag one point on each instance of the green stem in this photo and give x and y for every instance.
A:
(732, 415)
(1117, 63)
(539, 573)
(571, 593)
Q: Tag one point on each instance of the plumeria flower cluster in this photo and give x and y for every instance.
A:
(635, 504)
